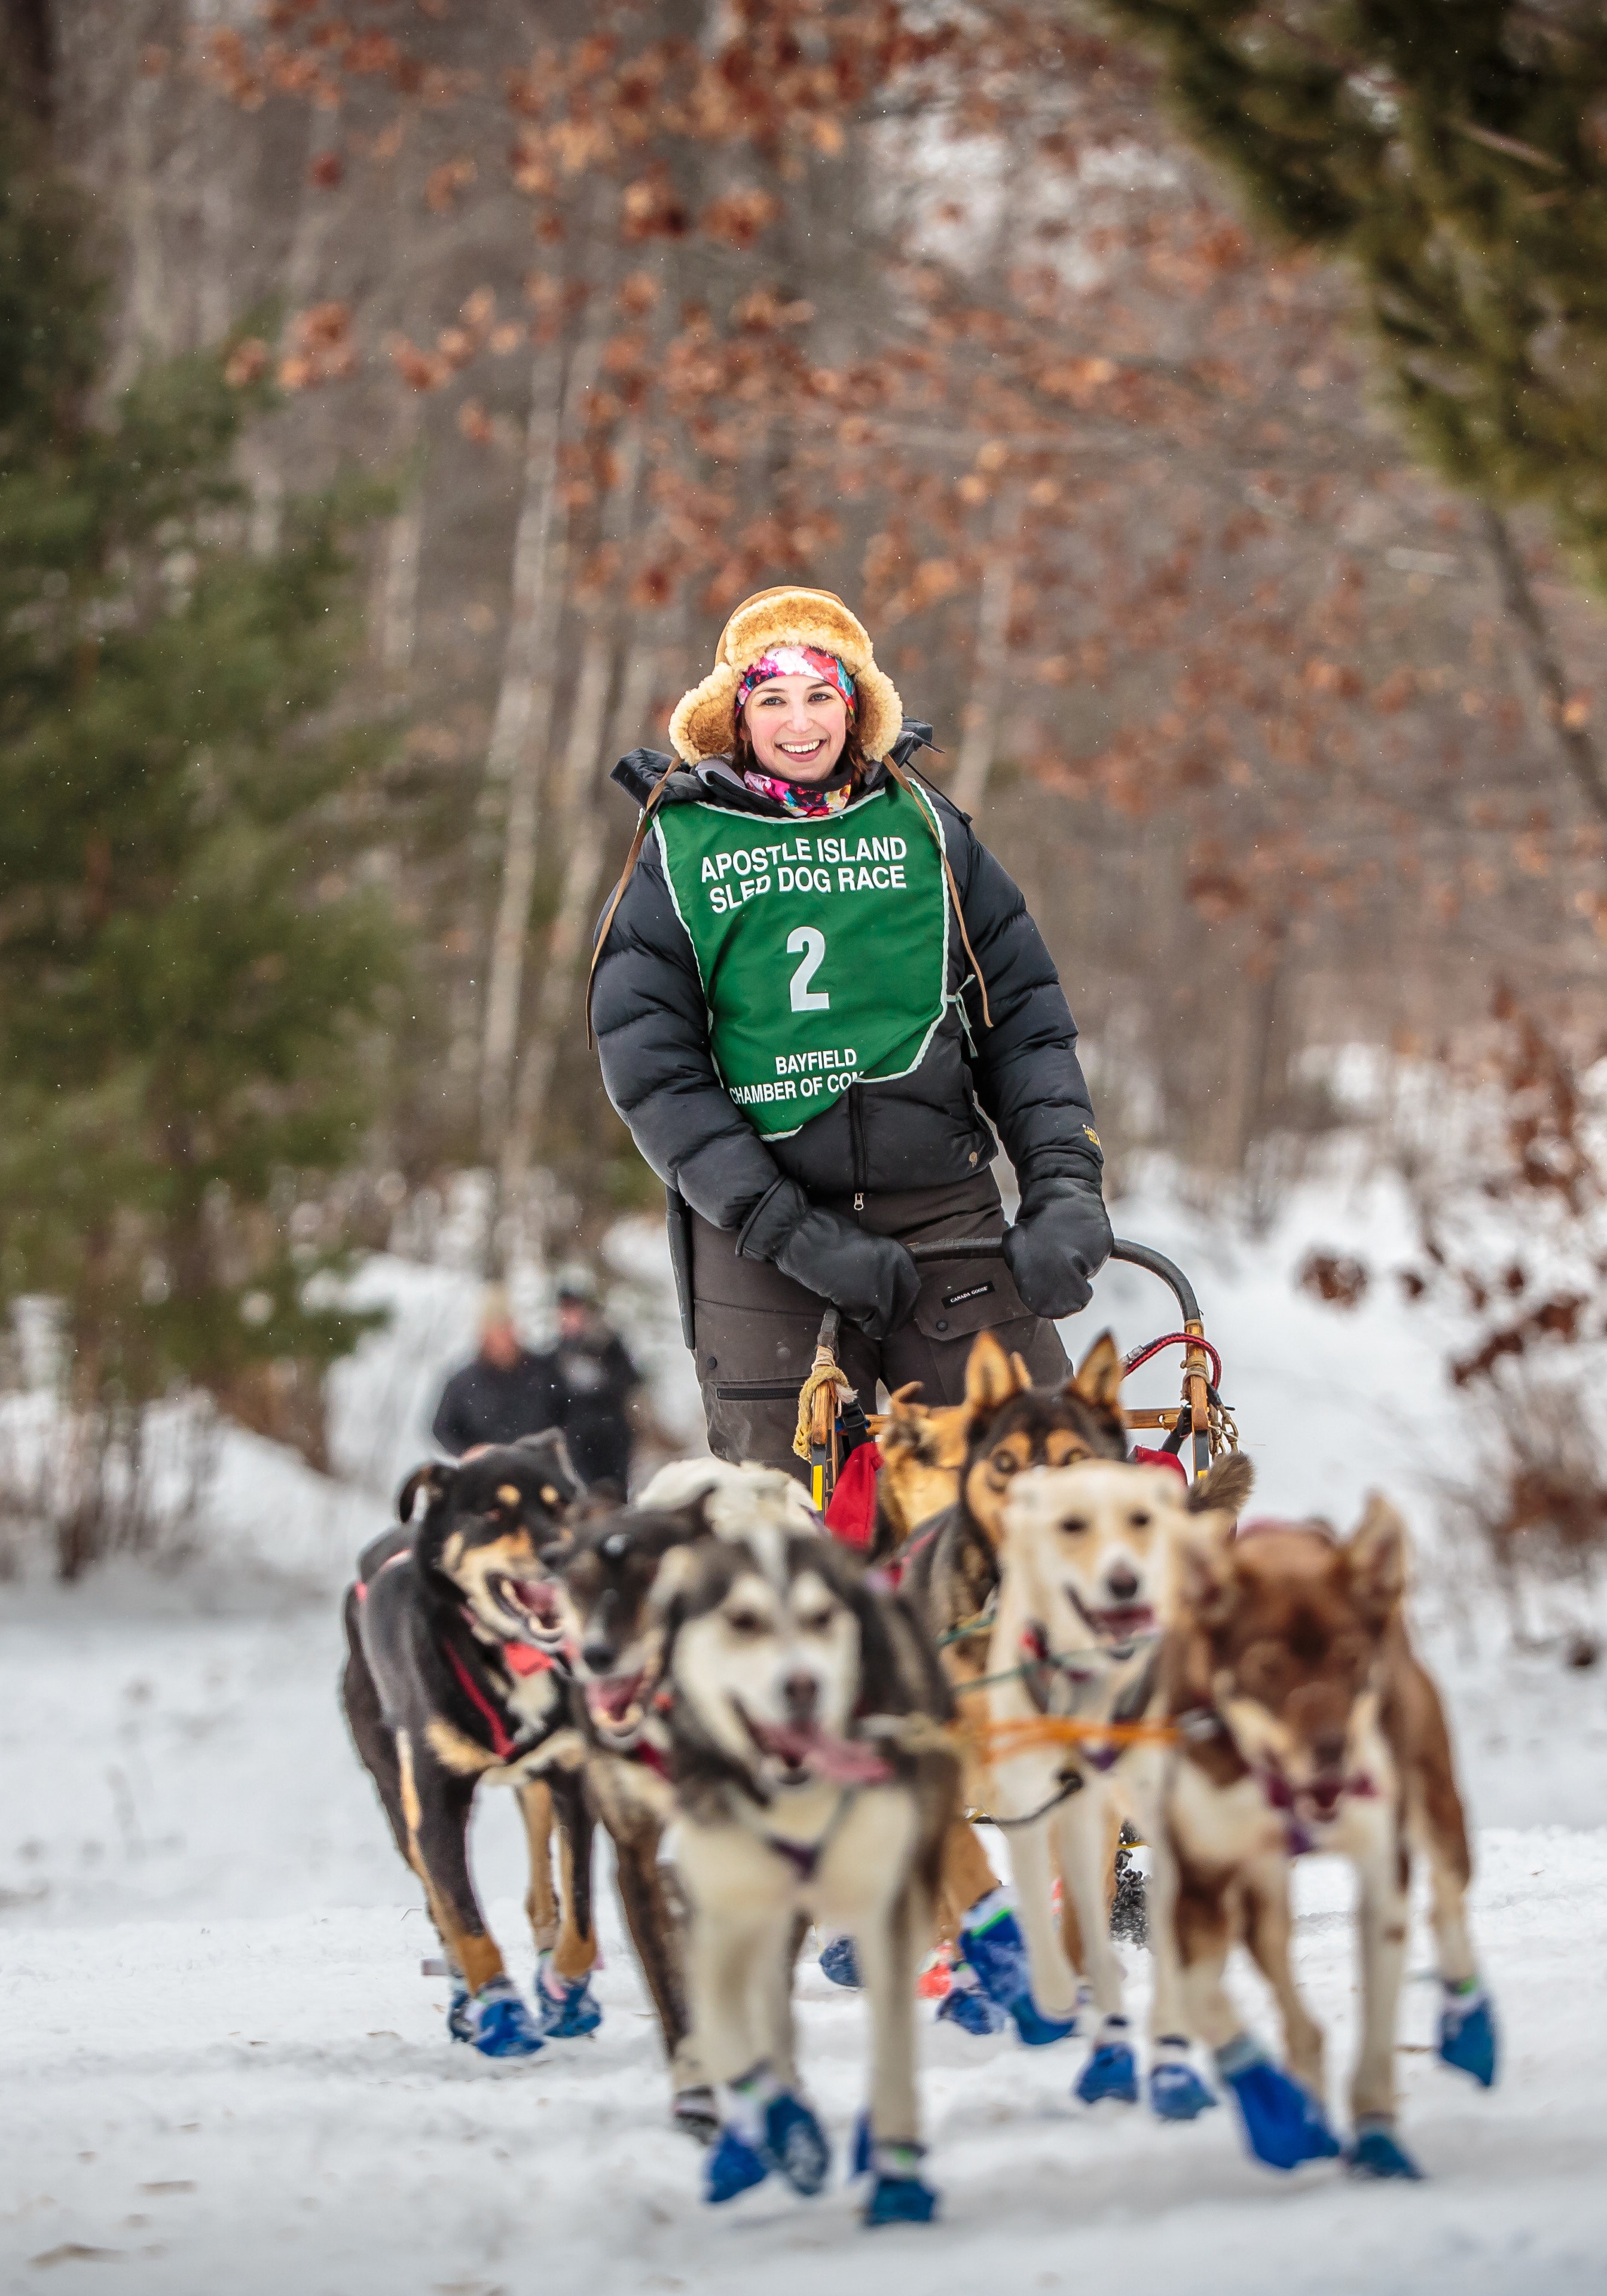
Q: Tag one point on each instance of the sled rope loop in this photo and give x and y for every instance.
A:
(894, 773)
(825, 1372)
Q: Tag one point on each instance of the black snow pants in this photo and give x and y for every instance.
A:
(755, 1329)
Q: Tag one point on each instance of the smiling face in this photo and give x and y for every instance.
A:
(798, 727)
(1097, 1548)
(487, 1524)
(767, 1657)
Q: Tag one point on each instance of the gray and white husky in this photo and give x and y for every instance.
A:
(814, 1781)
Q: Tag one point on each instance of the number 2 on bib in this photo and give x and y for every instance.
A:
(806, 941)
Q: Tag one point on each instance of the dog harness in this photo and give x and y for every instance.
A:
(822, 945)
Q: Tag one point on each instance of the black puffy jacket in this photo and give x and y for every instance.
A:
(922, 1130)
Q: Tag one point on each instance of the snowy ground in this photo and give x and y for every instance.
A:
(220, 2069)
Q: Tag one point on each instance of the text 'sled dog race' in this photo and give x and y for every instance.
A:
(823, 953)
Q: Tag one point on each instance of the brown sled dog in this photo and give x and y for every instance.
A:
(454, 1679)
(950, 1564)
(1306, 1722)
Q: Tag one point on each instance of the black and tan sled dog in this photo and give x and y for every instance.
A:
(454, 1677)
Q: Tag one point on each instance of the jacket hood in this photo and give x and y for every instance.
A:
(716, 779)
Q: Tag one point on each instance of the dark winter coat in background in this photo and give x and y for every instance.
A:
(595, 1378)
(483, 1403)
(922, 1130)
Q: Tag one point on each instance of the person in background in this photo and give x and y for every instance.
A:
(504, 1393)
(592, 1372)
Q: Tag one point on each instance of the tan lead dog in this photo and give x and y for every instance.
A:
(1091, 1561)
(1306, 1722)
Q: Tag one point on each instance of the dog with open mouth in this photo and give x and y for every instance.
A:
(948, 1567)
(1089, 1565)
(1305, 1722)
(614, 1577)
(814, 1781)
(454, 1678)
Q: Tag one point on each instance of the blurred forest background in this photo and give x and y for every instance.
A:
(1202, 406)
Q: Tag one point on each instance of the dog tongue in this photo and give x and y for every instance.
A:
(839, 1759)
(615, 1698)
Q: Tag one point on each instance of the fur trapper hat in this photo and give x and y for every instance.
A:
(704, 722)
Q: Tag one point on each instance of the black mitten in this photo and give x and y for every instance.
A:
(1061, 1240)
(871, 1278)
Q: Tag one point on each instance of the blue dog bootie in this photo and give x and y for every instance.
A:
(458, 2011)
(1284, 2124)
(1177, 2092)
(899, 2194)
(497, 2022)
(564, 2011)
(966, 2006)
(1468, 2038)
(992, 1947)
(766, 2127)
(733, 2166)
(797, 2144)
(840, 1963)
(1110, 2071)
(1378, 2151)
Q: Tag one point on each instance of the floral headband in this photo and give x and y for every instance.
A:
(795, 661)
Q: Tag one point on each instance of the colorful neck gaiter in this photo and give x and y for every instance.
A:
(812, 803)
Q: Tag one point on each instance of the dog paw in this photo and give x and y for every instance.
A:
(967, 2006)
(1110, 2072)
(797, 2144)
(499, 2024)
(898, 2195)
(695, 2113)
(565, 2012)
(1468, 2038)
(993, 1946)
(1284, 2124)
(840, 1963)
(1377, 2152)
(733, 2166)
(1178, 2093)
(1036, 2030)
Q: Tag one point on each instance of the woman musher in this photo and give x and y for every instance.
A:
(814, 990)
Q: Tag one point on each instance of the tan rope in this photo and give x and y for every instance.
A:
(825, 1373)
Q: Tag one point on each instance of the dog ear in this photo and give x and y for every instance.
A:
(1375, 1557)
(1205, 1568)
(1097, 1379)
(1227, 1483)
(990, 1377)
(433, 1478)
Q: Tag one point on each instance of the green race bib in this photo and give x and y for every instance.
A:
(822, 946)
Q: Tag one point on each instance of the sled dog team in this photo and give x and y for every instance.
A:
(1045, 1631)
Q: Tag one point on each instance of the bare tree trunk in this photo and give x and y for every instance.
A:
(1544, 663)
(523, 706)
(979, 743)
(567, 943)
(144, 315)
(29, 35)
(397, 619)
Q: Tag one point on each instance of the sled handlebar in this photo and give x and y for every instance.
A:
(1132, 1255)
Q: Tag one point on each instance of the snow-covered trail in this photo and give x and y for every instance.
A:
(221, 2073)
(269, 2105)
